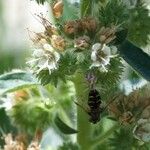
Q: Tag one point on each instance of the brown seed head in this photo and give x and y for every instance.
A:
(107, 34)
(70, 27)
(89, 24)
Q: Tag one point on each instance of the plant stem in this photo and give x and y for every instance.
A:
(83, 124)
(100, 139)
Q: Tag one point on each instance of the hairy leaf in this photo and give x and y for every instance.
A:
(16, 80)
(29, 115)
(114, 12)
(122, 140)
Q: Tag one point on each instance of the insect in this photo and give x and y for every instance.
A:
(94, 108)
(94, 103)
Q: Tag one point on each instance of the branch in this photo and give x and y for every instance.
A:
(83, 125)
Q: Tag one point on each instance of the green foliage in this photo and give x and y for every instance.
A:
(16, 80)
(109, 80)
(32, 114)
(113, 12)
(139, 31)
(122, 140)
(137, 59)
(69, 146)
(63, 127)
(67, 67)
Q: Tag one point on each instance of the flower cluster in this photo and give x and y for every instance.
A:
(85, 35)
(44, 59)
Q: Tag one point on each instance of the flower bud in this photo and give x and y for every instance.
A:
(58, 9)
(82, 42)
(58, 42)
(89, 24)
(107, 34)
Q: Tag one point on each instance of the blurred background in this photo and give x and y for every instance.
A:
(16, 17)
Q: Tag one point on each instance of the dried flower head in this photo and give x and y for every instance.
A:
(58, 9)
(82, 42)
(34, 146)
(37, 38)
(128, 109)
(45, 58)
(58, 42)
(142, 130)
(73, 27)
(89, 24)
(70, 27)
(107, 34)
(100, 56)
(50, 29)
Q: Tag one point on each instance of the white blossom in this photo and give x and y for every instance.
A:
(100, 56)
(45, 58)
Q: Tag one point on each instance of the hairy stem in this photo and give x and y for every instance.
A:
(83, 124)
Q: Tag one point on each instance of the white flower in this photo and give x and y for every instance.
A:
(100, 56)
(45, 58)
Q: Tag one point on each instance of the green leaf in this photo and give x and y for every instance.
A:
(63, 127)
(107, 81)
(16, 80)
(136, 58)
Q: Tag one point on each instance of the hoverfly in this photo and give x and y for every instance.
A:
(94, 108)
